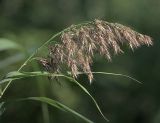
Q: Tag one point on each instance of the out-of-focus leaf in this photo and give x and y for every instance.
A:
(11, 60)
(59, 106)
(156, 117)
(6, 44)
(2, 109)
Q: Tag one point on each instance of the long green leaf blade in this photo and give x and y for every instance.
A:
(18, 75)
(59, 106)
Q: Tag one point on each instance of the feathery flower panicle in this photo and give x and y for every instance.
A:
(79, 44)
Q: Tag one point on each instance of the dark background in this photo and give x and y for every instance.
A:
(31, 22)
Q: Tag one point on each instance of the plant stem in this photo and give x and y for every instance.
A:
(33, 54)
(25, 63)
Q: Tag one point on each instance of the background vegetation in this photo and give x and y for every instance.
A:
(30, 23)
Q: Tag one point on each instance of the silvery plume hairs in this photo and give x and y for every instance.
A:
(78, 46)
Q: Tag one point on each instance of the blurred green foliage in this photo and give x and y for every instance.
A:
(31, 22)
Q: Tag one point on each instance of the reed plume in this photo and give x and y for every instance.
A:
(78, 45)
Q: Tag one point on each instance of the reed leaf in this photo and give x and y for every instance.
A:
(19, 75)
(58, 105)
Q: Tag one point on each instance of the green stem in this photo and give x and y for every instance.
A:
(33, 54)
(30, 57)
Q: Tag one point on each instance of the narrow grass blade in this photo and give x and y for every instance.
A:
(18, 75)
(117, 74)
(113, 74)
(59, 106)
(87, 92)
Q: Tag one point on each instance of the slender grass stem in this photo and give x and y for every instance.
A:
(30, 57)
(33, 54)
